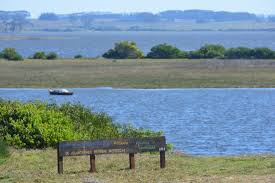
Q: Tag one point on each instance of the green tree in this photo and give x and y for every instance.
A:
(124, 50)
(39, 55)
(166, 51)
(78, 56)
(194, 55)
(52, 56)
(11, 54)
(239, 53)
(211, 51)
(264, 53)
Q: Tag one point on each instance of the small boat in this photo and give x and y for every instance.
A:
(60, 92)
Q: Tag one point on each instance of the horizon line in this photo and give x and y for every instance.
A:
(131, 12)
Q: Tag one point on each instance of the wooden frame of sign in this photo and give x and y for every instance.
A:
(130, 146)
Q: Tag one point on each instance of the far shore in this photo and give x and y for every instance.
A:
(144, 73)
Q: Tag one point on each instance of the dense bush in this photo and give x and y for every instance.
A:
(40, 125)
(95, 125)
(11, 54)
(52, 56)
(124, 50)
(264, 53)
(208, 51)
(212, 51)
(194, 54)
(39, 55)
(33, 125)
(166, 51)
(240, 53)
(78, 56)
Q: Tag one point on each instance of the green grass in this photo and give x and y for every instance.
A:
(145, 73)
(40, 166)
(3, 152)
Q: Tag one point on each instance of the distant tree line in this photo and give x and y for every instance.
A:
(14, 15)
(170, 15)
(129, 50)
(12, 21)
(48, 16)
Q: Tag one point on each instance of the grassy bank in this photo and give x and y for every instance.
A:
(138, 73)
(40, 166)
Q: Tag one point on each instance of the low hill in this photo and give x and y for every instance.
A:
(171, 20)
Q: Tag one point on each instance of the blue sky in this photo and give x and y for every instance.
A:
(70, 6)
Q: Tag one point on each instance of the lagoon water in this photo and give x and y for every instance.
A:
(197, 121)
(92, 44)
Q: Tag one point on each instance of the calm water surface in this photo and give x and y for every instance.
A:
(91, 44)
(196, 121)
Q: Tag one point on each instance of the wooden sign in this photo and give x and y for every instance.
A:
(130, 146)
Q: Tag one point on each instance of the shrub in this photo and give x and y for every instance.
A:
(239, 53)
(96, 125)
(33, 125)
(52, 56)
(11, 54)
(39, 55)
(129, 131)
(78, 56)
(194, 55)
(165, 51)
(40, 125)
(263, 53)
(211, 51)
(124, 50)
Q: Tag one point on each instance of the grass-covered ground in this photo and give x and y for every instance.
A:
(40, 166)
(138, 73)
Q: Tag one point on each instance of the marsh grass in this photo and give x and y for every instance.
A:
(40, 166)
(144, 73)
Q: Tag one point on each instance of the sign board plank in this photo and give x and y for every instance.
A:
(114, 146)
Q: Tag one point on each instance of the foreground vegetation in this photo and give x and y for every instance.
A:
(40, 166)
(41, 125)
(144, 73)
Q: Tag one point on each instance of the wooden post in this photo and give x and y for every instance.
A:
(132, 161)
(92, 163)
(59, 161)
(60, 165)
(162, 159)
